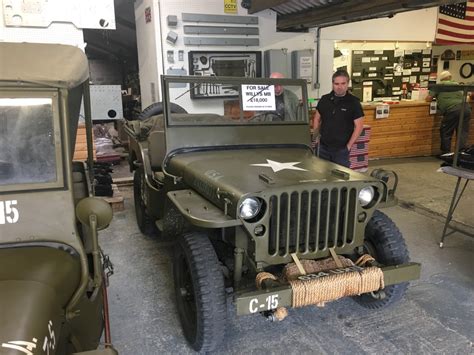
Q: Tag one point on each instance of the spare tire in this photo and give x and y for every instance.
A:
(157, 109)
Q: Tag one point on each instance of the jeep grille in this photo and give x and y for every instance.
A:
(308, 222)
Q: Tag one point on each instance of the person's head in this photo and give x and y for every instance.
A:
(445, 75)
(340, 82)
(278, 88)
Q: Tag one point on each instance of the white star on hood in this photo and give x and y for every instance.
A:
(276, 166)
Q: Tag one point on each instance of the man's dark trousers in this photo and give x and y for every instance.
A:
(339, 156)
(449, 124)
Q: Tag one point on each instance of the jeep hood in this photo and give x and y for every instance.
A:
(240, 172)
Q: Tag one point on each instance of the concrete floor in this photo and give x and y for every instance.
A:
(428, 191)
(436, 316)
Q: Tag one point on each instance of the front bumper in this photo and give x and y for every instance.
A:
(271, 298)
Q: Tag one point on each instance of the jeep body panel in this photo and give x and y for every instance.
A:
(218, 173)
(48, 289)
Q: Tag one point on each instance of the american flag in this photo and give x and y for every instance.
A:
(456, 23)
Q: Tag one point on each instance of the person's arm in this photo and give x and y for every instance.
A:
(431, 96)
(358, 127)
(292, 104)
(316, 121)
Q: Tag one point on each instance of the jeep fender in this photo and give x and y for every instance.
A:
(200, 212)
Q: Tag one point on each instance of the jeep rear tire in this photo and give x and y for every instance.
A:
(200, 292)
(144, 222)
(385, 242)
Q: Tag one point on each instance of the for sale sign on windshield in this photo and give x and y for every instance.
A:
(258, 97)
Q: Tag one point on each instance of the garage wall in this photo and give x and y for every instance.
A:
(148, 30)
(410, 26)
(455, 65)
(269, 38)
(419, 25)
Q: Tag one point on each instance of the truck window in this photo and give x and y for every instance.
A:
(27, 141)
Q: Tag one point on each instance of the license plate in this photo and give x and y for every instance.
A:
(268, 302)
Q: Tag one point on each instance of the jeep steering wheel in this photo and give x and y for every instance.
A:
(266, 117)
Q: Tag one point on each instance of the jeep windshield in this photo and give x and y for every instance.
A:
(235, 101)
(29, 136)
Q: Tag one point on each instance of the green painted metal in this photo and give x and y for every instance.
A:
(199, 211)
(45, 280)
(203, 166)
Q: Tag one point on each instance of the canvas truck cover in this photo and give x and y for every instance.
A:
(53, 65)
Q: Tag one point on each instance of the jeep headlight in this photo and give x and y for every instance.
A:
(366, 195)
(249, 208)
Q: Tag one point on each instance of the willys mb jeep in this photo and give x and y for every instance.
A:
(224, 168)
(52, 275)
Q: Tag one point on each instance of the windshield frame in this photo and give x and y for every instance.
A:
(194, 81)
(52, 94)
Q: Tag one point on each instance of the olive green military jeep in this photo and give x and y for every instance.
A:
(52, 270)
(224, 168)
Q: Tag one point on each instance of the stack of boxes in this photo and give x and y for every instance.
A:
(359, 154)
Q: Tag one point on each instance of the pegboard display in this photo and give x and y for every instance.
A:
(223, 63)
(389, 74)
(161, 32)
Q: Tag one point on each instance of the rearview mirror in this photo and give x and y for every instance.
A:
(94, 206)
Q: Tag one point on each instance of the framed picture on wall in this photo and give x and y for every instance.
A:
(246, 64)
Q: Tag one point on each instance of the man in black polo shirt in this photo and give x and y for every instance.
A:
(339, 119)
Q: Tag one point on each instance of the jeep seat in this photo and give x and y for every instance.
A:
(156, 149)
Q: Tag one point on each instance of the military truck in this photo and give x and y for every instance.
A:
(223, 167)
(52, 271)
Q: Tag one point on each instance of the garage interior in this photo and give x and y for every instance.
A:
(142, 40)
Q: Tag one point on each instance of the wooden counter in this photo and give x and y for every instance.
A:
(408, 131)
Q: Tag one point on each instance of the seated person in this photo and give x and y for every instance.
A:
(287, 105)
(286, 102)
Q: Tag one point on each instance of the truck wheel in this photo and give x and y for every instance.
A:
(385, 242)
(144, 221)
(157, 109)
(200, 292)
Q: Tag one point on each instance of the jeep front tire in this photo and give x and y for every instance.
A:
(144, 222)
(200, 291)
(384, 242)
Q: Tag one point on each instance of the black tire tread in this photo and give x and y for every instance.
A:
(391, 249)
(209, 289)
(144, 221)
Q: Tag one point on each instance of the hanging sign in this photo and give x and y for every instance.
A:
(306, 68)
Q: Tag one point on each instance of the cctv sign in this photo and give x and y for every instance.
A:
(230, 6)
(258, 97)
